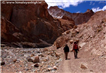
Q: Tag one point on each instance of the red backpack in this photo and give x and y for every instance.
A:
(75, 46)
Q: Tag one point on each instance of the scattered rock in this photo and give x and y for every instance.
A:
(91, 70)
(14, 60)
(67, 32)
(36, 65)
(57, 54)
(46, 59)
(45, 49)
(29, 60)
(32, 55)
(49, 69)
(54, 67)
(71, 41)
(83, 66)
(2, 63)
(41, 55)
(36, 59)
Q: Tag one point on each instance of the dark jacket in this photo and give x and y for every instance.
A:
(66, 49)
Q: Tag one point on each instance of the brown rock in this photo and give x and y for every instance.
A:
(36, 65)
(36, 59)
(14, 60)
(83, 66)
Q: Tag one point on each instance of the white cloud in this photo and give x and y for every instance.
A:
(63, 3)
(98, 9)
(78, 12)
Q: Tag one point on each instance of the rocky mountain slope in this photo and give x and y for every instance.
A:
(79, 18)
(29, 23)
(92, 43)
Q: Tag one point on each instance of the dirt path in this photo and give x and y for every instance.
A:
(92, 64)
(68, 66)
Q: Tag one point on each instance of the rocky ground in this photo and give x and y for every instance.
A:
(29, 60)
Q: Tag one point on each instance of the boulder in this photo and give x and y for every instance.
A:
(2, 63)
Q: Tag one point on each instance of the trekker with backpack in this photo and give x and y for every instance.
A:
(66, 51)
(75, 49)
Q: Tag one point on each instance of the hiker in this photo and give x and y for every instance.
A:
(75, 49)
(66, 51)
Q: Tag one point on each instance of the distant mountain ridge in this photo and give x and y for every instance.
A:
(78, 18)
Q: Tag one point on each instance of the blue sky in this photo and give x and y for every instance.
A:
(78, 6)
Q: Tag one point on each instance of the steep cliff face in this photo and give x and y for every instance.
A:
(79, 18)
(32, 20)
(7, 30)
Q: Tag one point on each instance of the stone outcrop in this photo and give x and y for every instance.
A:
(29, 23)
(79, 18)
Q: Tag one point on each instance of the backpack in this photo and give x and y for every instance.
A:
(75, 46)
